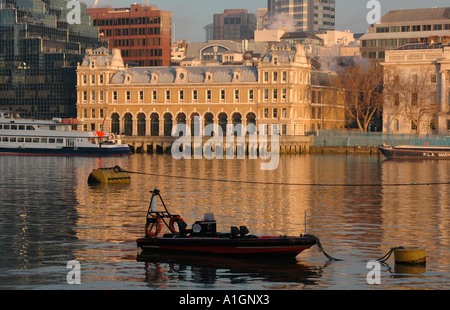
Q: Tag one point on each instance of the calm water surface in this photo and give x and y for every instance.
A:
(49, 216)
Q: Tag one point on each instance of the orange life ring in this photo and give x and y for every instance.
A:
(151, 234)
(173, 220)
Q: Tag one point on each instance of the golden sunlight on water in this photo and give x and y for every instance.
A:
(55, 216)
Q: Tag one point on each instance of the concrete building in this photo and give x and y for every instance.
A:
(142, 33)
(338, 44)
(401, 27)
(235, 25)
(269, 35)
(417, 89)
(178, 52)
(307, 15)
(148, 101)
(333, 37)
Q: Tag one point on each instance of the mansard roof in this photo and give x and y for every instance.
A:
(219, 74)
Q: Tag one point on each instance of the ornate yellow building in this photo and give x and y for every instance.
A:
(148, 101)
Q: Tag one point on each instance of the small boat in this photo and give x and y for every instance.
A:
(415, 152)
(203, 237)
(56, 137)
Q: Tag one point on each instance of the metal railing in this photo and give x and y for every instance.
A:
(374, 139)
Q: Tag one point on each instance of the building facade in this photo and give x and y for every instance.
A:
(303, 15)
(401, 27)
(417, 90)
(149, 101)
(213, 51)
(234, 25)
(39, 52)
(142, 33)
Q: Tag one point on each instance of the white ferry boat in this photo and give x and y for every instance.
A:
(19, 136)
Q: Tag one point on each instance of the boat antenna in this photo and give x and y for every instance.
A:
(305, 225)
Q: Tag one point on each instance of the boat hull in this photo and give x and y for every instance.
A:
(437, 153)
(82, 152)
(242, 246)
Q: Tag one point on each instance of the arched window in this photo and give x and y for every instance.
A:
(168, 123)
(251, 123)
(195, 123)
(141, 124)
(237, 120)
(115, 124)
(128, 124)
(223, 121)
(154, 125)
(209, 120)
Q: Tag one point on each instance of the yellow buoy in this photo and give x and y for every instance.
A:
(109, 176)
(410, 255)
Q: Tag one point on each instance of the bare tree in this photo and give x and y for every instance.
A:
(413, 96)
(363, 96)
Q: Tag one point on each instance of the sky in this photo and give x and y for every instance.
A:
(190, 16)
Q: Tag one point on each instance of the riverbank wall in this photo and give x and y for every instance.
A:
(289, 145)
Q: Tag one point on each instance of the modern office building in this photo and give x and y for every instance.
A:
(401, 27)
(234, 25)
(302, 15)
(281, 90)
(143, 33)
(261, 17)
(39, 52)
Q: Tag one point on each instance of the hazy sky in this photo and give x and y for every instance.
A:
(190, 16)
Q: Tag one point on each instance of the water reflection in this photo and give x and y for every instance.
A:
(209, 272)
(49, 215)
(416, 215)
(38, 209)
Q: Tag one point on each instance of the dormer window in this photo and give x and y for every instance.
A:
(128, 78)
(155, 77)
(236, 76)
(208, 76)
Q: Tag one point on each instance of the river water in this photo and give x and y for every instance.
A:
(49, 216)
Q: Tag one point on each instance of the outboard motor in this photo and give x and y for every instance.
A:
(207, 226)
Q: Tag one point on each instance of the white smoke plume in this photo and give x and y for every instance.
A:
(282, 20)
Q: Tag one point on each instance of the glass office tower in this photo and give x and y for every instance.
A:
(39, 52)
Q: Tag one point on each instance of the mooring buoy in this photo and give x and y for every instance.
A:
(114, 175)
(412, 255)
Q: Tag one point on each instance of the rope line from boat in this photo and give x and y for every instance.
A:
(319, 245)
(382, 259)
(281, 183)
